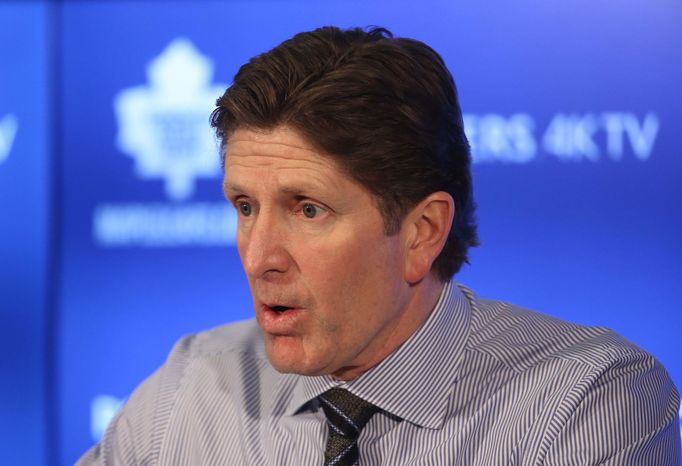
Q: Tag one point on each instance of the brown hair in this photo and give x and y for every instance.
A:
(385, 109)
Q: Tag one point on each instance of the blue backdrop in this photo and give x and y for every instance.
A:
(24, 215)
(573, 111)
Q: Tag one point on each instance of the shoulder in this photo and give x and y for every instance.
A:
(604, 398)
(521, 338)
(240, 338)
(213, 357)
(228, 361)
(214, 366)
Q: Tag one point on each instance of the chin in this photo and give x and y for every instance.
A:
(286, 360)
(292, 367)
(290, 355)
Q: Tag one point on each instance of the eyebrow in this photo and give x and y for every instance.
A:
(301, 189)
(231, 187)
(296, 191)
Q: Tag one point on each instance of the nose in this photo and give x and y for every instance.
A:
(263, 247)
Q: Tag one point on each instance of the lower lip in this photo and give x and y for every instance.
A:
(279, 323)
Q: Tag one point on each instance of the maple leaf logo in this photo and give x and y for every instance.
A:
(164, 125)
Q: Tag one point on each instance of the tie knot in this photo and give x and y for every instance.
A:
(346, 412)
(346, 415)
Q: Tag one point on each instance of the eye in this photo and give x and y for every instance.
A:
(311, 210)
(244, 208)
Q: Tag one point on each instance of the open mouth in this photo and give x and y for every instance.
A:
(280, 309)
(278, 320)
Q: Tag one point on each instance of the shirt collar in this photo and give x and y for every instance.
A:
(414, 382)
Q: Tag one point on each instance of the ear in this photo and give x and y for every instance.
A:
(427, 227)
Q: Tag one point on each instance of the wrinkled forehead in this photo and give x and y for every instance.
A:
(282, 147)
(282, 159)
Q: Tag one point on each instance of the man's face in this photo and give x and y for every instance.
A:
(327, 283)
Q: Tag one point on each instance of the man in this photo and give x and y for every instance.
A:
(346, 160)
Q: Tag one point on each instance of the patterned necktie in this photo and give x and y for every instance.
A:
(346, 415)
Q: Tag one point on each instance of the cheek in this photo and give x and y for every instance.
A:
(335, 278)
(355, 277)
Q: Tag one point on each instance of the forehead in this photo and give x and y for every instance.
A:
(281, 150)
(280, 143)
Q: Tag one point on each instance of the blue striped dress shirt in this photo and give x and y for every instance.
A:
(479, 383)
